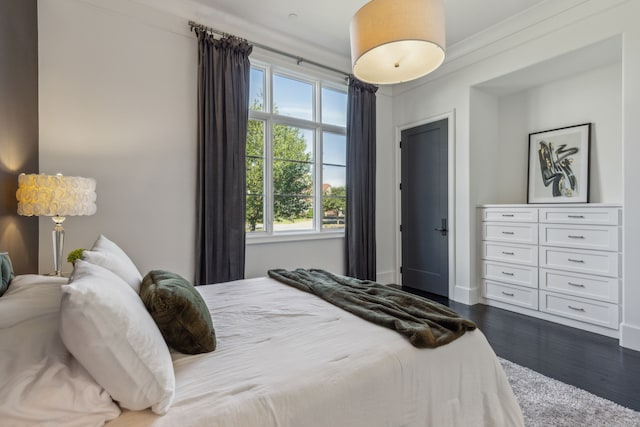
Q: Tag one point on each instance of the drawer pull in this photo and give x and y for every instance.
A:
(580, 261)
(576, 237)
(508, 215)
(576, 216)
(507, 232)
(577, 285)
(576, 308)
(507, 274)
(508, 253)
(507, 294)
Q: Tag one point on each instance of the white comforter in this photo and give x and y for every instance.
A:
(289, 359)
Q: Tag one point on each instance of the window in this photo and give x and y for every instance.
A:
(296, 153)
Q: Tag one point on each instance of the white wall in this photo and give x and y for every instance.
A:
(593, 96)
(488, 161)
(116, 98)
(385, 188)
(118, 103)
(327, 254)
(451, 88)
(630, 328)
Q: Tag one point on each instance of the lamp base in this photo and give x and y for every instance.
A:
(58, 244)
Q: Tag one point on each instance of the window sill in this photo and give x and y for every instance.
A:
(293, 237)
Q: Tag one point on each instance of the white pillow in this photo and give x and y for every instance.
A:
(105, 325)
(42, 384)
(107, 254)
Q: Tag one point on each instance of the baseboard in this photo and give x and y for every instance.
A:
(466, 295)
(386, 277)
(630, 336)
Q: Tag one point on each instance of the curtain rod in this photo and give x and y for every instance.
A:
(299, 59)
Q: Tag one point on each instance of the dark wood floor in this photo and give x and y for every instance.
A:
(589, 361)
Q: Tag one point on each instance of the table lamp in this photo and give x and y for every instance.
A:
(56, 196)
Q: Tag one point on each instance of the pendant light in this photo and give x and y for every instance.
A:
(394, 41)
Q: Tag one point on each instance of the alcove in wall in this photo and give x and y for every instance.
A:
(581, 86)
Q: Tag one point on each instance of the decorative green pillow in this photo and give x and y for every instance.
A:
(179, 311)
(6, 271)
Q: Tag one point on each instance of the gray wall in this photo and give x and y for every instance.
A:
(18, 126)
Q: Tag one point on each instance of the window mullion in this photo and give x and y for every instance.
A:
(268, 179)
(293, 121)
(318, 213)
(334, 129)
(268, 152)
(317, 203)
(268, 92)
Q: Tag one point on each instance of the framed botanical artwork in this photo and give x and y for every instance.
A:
(559, 165)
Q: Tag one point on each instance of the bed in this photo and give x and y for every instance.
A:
(284, 358)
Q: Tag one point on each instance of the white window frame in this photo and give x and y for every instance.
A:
(270, 119)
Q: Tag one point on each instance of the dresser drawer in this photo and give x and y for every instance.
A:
(523, 297)
(510, 252)
(522, 275)
(587, 286)
(580, 261)
(605, 238)
(598, 313)
(510, 214)
(510, 232)
(592, 216)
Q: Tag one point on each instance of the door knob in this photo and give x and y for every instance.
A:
(443, 230)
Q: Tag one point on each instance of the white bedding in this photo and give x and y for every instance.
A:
(289, 359)
(40, 382)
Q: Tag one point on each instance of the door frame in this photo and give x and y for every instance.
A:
(450, 116)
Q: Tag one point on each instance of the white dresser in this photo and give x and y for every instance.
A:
(557, 262)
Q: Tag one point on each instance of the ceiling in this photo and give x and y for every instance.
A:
(326, 22)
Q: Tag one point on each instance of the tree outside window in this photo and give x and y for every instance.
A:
(287, 158)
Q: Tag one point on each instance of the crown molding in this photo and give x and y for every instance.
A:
(538, 21)
(513, 25)
(190, 10)
(173, 16)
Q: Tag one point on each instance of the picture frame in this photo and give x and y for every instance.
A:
(559, 161)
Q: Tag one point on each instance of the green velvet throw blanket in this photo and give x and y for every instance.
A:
(426, 323)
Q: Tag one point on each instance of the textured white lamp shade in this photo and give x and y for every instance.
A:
(394, 41)
(57, 196)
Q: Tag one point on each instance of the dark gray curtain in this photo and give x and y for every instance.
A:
(360, 231)
(223, 114)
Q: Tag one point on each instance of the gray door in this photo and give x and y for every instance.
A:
(425, 246)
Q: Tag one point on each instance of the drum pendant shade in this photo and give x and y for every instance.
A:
(394, 41)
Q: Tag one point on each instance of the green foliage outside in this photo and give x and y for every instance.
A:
(334, 205)
(255, 174)
(292, 178)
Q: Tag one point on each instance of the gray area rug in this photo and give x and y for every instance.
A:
(546, 402)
